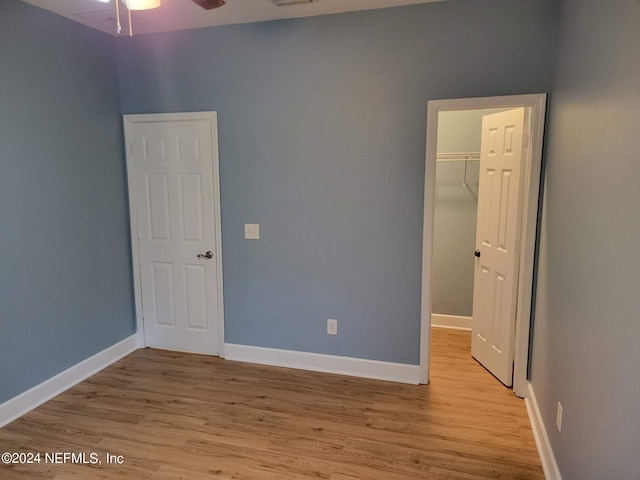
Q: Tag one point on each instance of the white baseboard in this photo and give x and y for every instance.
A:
(356, 367)
(547, 458)
(27, 401)
(450, 321)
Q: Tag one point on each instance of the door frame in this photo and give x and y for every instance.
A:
(532, 172)
(129, 121)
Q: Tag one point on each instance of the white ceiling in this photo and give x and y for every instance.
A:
(184, 14)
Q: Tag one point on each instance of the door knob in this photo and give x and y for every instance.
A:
(208, 255)
(477, 253)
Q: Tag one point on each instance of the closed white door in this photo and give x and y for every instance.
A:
(178, 245)
(497, 242)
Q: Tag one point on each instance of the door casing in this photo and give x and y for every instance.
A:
(129, 120)
(536, 103)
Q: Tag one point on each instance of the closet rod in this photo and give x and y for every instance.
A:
(457, 156)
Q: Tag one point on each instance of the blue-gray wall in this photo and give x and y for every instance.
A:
(322, 142)
(65, 281)
(587, 323)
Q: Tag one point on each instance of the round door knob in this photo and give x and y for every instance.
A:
(477, 253)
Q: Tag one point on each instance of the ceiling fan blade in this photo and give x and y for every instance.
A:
(209, 4)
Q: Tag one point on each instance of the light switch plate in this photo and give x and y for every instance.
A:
(251, 231)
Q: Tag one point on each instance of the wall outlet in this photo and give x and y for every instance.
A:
(332, 326)
(559, 417)
(251, 231)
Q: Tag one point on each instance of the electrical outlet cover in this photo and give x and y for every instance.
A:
(332, 326)
(559, 417)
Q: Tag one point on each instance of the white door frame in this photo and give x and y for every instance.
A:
(532, 171)
(129, 120)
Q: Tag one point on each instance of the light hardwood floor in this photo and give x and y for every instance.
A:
(179, 416)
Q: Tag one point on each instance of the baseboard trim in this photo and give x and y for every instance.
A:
(355, 367)
(547, 458)
(36, 396)
(450, 321)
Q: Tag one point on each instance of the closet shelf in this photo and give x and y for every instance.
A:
(457, 156)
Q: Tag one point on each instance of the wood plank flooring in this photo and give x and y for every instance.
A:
(179, 416)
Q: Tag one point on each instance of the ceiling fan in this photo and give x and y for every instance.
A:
(151, 4)
(137, 5)
(209, 4)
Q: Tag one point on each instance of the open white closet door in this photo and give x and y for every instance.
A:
(498, 242)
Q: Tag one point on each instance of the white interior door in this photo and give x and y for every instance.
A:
(176, 216)
(498, 242)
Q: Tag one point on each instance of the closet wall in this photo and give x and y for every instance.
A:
(457, 172)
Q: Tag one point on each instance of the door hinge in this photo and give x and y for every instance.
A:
(131, 148)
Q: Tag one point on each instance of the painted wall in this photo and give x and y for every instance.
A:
(322, 142)
(460, 130)
(455, 214)
(65, 281)
(586, 330)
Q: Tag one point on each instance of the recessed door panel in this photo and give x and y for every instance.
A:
(163, 294)
(491, 141)
(509, 131)
(505, 190)
(498, 314)
(191, 208)
(158, 206)
(188, 148)
(484, 301)
(196, 295)
(155, 148)
(487, 207)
